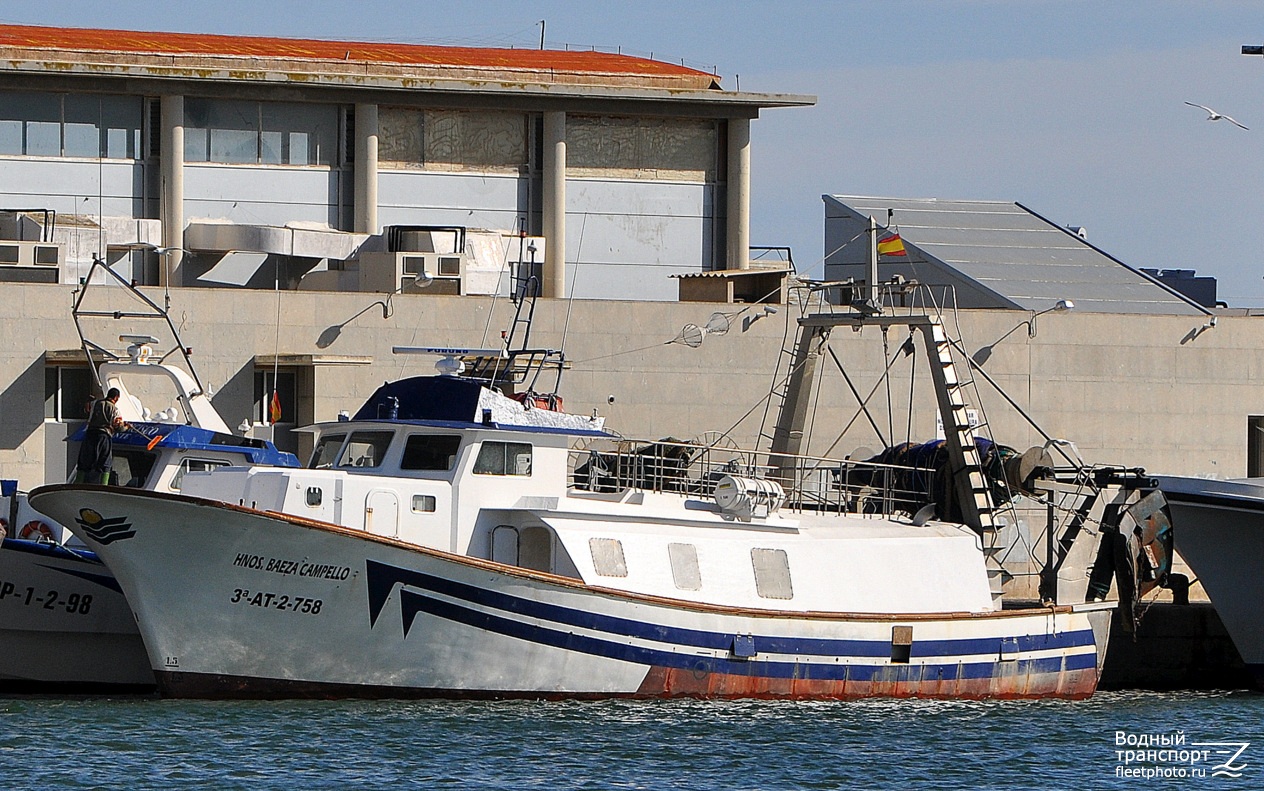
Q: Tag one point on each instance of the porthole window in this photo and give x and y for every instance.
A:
(423, 503)
(315, 495)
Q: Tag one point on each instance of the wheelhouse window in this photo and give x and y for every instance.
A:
(431, 452)
(365, 449)
(132, 467)
(326, 451)
(194, 465)
(503, 458)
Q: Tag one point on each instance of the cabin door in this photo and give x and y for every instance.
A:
(381, 513)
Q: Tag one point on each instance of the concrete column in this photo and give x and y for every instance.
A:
(366, 168)
(171, 195)
(554, 209)
(738, 236)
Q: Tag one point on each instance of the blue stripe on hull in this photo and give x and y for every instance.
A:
(412, 603)
(383, 577)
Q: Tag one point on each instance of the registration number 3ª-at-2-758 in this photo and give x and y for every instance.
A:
(276, 601)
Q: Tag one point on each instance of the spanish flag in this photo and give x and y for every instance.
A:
(274, 408)
(892, 245)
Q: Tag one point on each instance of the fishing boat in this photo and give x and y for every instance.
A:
(64, 622)
(459, 536)
(1221, 536)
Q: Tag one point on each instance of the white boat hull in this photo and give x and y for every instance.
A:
(233, 602)
(1219, 529)
(64, 624)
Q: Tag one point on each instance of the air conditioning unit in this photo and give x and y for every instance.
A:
(14, 253)
(412, 272)
(37, 262)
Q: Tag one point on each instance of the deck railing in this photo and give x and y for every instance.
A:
(809, 483)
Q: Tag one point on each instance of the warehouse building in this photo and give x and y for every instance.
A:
(323, 164)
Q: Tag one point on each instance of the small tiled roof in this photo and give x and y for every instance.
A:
(116, 43)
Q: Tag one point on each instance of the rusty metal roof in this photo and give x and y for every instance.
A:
(582, 64)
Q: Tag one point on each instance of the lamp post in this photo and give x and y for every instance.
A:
(1061, 306)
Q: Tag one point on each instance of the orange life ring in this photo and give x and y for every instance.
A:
(37, 531)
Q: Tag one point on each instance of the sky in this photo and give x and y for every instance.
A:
(1074, 109)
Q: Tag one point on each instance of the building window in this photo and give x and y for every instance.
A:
(642, 148)
(284, 382)
(772, 573)
(477, 140)
(1254, 446)
(67, 393)
(607, 555)
(430, 452)
(239, 132)
(399, 140)
(70, 125)
(503, 458)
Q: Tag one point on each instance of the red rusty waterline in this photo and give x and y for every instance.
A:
(672, 682)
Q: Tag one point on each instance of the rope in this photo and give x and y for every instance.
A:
(908, 430)
(570, 296)
(886, 376)
(491, 310)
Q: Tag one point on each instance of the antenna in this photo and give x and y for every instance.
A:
(449, 363)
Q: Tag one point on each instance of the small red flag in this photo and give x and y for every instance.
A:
(892, 245)
(274, 408)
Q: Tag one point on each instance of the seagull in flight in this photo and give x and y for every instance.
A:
(1212, 115)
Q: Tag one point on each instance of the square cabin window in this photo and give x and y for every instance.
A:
(607, 555)
(194, 465)
(772, 573)
(684, 566)
(430, 452)
(503, 458)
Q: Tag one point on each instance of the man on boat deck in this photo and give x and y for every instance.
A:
(96, 455)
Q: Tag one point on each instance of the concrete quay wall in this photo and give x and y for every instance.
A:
(1159, 392)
